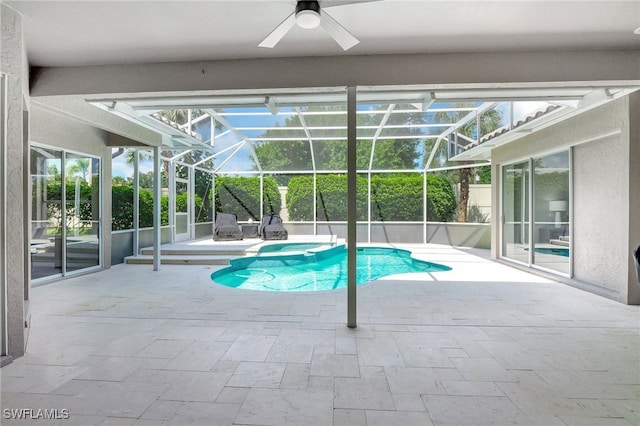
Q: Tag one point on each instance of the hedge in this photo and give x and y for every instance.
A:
(441, 199)
(331, 198)
(241, 195)
(122, 207)
(393, 198)
(85, 205)
(397, 198)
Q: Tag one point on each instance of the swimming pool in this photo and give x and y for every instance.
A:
(320, 270)
(561, 251)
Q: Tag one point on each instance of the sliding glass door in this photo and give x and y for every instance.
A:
(538, 188)
(515, 211)
(65, 212)
(551, 212)
(46, 212)
(82, 240)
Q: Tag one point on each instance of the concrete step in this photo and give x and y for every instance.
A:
(195, 252)
(559, 242)
(182, 259)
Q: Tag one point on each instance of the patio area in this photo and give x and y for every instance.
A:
(481, 344)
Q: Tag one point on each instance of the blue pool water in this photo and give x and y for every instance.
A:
(322, 270)
(557, 251)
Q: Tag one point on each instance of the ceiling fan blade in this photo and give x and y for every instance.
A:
(339, 33)
(278, 32)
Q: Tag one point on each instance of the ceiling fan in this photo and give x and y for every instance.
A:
(308, 15)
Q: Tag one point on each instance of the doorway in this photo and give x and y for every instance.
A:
(182, 203)
(538, 188)
(65, 212)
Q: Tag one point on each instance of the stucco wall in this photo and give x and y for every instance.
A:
(634, 195)
(600, 219)
(601, 192)
(57, 130)
(13, 65)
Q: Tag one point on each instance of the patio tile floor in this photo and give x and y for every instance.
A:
(480, 344)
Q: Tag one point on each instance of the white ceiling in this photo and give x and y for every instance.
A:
(60, 33)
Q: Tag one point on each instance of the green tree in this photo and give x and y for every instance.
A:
(145, 180)
(52, 170)
(489, 121)
(331, 154)
(80, 167)
(118, 181)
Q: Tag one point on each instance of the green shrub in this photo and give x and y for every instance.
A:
(121, 207)
(300, 198)
(331, 198)
(393, 198)
(397, 198)
(86, 202)
(441, 199)
(145, 208)
(241, 195)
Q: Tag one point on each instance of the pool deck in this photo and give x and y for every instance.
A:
(206, 251)
(481, 344)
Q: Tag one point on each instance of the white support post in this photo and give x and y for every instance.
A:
(171, 182)
(157, 195)
(315, 203)
(369, 206)
(136, 202)
(351, 208)
(192, 202)
(425, 205)
(261, 197)
(213, 201)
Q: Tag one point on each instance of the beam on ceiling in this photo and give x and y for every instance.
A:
(249, 75)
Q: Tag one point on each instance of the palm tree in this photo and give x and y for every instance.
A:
(489, 121)
(80, 168)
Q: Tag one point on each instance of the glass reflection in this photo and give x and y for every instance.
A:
(46, 212)
(551, 212)
(82, 178)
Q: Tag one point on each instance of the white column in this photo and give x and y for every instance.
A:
(15, 188)
(136, 202)
(351, 208)
(157, 195)
(425, 205)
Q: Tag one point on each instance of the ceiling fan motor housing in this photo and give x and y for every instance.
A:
(307, 14)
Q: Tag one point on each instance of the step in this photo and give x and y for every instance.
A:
(564, 243)
(195, 252)
(179, 260)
